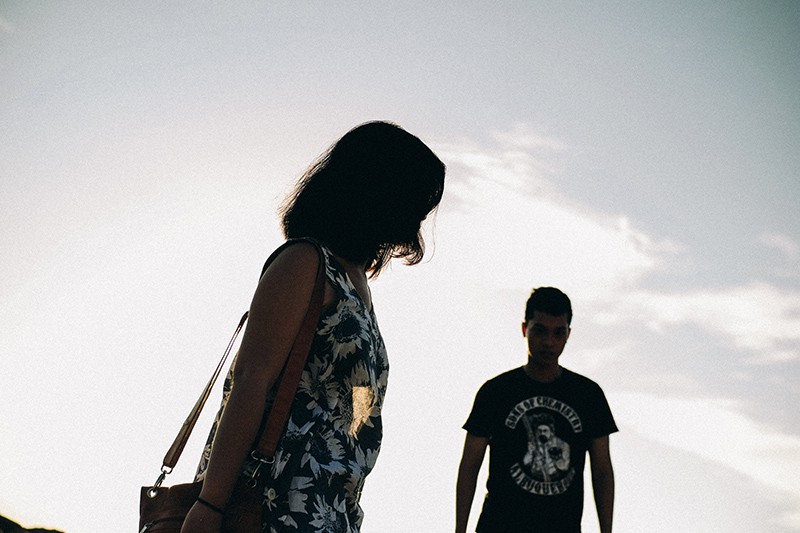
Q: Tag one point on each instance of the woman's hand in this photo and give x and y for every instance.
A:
(201, 519)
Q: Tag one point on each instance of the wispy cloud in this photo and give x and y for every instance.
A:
(520, 160)
(782, 243)
(789, 249)
(507, 199)
(716, 431)
(758, 317)
(6, 27)
(509, 202)
(523, 137)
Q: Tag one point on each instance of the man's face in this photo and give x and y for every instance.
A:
(543, 433)
(547, 335)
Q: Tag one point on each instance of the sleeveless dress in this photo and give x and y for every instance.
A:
(334, 430)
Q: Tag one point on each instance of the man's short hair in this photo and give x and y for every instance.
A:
(548, 300)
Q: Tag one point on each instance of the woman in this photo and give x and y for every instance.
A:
(363, 201)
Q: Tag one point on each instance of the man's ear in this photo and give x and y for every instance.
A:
(524, 329)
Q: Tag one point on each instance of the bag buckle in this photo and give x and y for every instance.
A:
(153, 491)
(253, 482)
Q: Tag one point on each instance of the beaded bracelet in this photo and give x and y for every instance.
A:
(210, 505)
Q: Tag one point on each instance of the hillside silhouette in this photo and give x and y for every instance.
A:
(8, 526)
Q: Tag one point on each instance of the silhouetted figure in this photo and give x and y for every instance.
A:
(363, 201)
(538, 422)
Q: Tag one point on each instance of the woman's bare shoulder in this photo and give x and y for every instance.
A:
(297, 261)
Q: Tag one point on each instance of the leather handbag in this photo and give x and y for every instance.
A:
(163, 509)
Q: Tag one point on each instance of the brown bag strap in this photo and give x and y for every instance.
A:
(288, 384)
(293, 369)
(175, 451)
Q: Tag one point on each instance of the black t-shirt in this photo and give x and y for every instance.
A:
(538, 434)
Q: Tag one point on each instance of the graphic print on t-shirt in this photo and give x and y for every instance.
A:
(545, 468)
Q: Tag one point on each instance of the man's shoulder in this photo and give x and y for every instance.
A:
(580, 380)
(503, 378)
(502, 381)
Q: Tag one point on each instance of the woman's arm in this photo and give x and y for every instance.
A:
(276, 313)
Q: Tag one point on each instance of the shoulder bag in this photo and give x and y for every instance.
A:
(163, 509)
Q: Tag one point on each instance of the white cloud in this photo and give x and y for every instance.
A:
(715, 431)
(521, 160)
(525, 138)
(758, 317)
(6, 27)
(782, 243)
(507, 208)
(512, 169)
(502, 204)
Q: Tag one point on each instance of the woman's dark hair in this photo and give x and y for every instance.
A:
(366, 196)
(548, 300)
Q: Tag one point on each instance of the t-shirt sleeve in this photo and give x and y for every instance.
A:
(603, 421)
(479, 421)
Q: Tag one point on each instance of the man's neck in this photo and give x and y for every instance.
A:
(542, 373)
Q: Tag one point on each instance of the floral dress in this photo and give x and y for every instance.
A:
(334, 430)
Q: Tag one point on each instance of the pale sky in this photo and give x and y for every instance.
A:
(642, 156)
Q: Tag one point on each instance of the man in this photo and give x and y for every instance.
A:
(538, 422)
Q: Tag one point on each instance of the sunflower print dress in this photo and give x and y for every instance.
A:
(334, 430)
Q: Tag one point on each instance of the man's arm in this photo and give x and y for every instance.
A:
(602, 482)
(471, 460)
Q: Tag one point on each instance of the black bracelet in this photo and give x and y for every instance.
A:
(210, 505)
